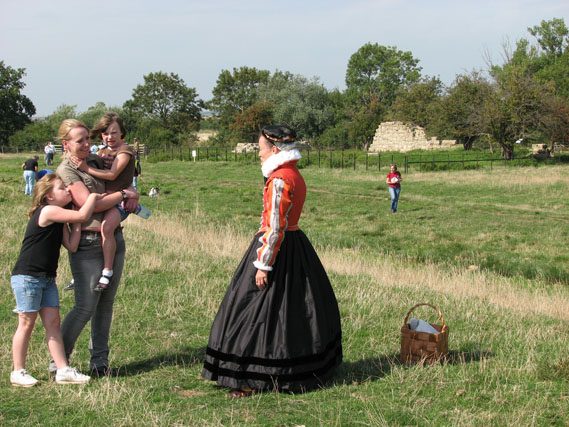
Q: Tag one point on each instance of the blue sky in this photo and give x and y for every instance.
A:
(80, 52)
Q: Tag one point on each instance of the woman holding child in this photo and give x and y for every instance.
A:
(87, 263)
(278, 326)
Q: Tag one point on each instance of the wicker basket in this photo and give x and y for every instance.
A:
(421, 346)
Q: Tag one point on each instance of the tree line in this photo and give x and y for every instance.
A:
(526, 98)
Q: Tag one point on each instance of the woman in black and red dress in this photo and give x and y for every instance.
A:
(278, 326)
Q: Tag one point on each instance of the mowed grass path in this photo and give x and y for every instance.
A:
(488, 249)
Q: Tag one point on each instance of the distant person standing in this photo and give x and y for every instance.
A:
(394, 180)
(136, 147)
(49, 151)
(137, 173)
(30, 168)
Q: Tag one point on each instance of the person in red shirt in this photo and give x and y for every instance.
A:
(394, 180)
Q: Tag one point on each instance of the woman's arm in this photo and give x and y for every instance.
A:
(71, 238)
(80, 193)
(52, 213)
(280, 199)
(120, 162)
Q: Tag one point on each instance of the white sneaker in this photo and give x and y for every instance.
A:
(21, 378)
(70, 375)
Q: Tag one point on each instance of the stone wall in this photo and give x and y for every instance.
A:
(398, 136)
(540, 150)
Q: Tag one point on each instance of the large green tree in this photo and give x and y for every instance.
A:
(374, 76)
(552, 36)
(16, 109)
(303, 103)
(418, 103)
(459, 114)
(516, 108)
(247, 125)
(165, 100)
(32, 137)
(548, 61)
(234, 92)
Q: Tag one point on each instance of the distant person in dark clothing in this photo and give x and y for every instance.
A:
(30, 168)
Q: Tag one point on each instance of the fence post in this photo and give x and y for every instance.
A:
(319, 157)
(225, 153)
(420, 164)
(308, 156)
(331, 154)
(378, 162)
(342, 159)
(207, 153)
(198, 152)
(354, 161)
(366, 159)
(235, 153)
(406, 164)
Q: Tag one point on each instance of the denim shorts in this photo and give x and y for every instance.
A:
(124, 214)
(33, 293)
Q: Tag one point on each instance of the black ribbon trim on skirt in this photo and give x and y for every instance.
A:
(278, 363)
(282, 378)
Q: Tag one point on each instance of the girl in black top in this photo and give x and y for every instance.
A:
(33, 276)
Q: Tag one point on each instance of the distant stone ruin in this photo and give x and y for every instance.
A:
(398, 136)
(540, 150)
(245, 147)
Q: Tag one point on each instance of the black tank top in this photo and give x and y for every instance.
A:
(39, 255)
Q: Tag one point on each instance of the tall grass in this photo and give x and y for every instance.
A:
(508, 325)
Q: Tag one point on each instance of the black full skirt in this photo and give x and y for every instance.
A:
(287, 337)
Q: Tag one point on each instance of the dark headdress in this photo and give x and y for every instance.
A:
(282, 136)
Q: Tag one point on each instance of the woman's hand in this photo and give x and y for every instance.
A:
(261, 279)
(131, 203)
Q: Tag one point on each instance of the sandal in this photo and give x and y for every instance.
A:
(104, 281)
(239, 393)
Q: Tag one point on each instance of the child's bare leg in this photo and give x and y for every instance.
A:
(52, 325)
(110, 222)
(21, 340)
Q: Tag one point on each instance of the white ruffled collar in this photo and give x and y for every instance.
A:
(276, 160)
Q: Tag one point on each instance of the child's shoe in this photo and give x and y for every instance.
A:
(21, 378)
(70, 375)
(70, 285)
(104, 280)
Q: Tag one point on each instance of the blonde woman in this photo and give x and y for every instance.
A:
(87, 263)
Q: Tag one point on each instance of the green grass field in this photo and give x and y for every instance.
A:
(487, 247)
